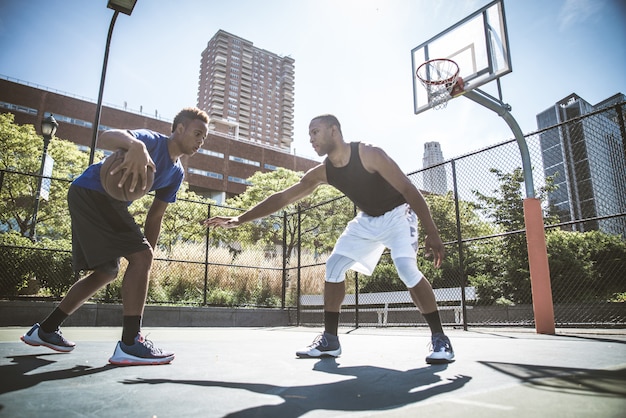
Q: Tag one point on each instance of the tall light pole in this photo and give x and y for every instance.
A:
(48, 128)
(126, 7)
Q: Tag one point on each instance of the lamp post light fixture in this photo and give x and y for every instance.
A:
(48, 128)
(126, 7)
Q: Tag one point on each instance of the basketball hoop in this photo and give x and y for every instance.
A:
(441, 80)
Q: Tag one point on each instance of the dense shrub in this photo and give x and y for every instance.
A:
(14, 268)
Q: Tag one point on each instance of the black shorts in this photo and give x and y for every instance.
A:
(102, 231)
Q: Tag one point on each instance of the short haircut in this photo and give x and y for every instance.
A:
(189, 114)
(329, 120)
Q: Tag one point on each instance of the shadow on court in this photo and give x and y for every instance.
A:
(591, 382)
(369, 388)
(21, 372)
(253, 372)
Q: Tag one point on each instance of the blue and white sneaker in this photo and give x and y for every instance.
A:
(54, 340)
(324, 345)
(442, 351)
(141, 352)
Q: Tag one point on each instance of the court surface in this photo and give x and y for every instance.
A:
(253, 372)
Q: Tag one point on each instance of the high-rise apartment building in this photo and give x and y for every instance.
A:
(435, 180)
(587, 160)
(248, 92)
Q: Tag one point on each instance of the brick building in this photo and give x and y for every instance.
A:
(219, 170)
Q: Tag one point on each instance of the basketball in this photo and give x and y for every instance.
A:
(110, 182)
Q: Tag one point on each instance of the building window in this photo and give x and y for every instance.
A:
(239, 180)
(244, 161)
(18, 108)
(205, 173)
(211, 153)
(74, 121)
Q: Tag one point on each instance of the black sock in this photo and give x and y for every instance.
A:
(331, 322)
(434, 322)
(53, 321)
(131, 327)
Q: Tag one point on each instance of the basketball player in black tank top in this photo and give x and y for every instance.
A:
(389, 204)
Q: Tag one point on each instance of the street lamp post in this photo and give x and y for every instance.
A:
(48, 128)
(126, 7)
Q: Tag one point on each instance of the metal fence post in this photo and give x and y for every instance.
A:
(299, 265)
(356, 286)
(459, 238)
(206, 259)
(284, 272)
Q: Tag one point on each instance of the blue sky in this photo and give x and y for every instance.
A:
(352, 59)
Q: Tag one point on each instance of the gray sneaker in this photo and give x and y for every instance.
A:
(442, 351)
(141, 352)
(54, 340)
(324, 345)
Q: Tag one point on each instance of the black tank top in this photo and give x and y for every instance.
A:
(369, 191)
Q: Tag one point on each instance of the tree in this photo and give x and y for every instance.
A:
(14, 268)
(319, 222)
(508, 275)
(181, 222)
(21, 151)
(585, 266)
(443, 211)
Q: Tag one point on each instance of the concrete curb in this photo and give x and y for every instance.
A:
(25, 313)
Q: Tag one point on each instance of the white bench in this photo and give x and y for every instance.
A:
(379, 302)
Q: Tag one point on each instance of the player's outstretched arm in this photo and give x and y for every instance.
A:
(222, 221)
(275, 202)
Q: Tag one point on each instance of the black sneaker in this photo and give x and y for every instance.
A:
(54, 340)
(324, 345)
(441, 350)
(141, 352)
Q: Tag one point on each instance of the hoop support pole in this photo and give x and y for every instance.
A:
(503, 111)
(541, 288)
(543, 307)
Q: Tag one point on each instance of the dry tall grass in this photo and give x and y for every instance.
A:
(251, 277)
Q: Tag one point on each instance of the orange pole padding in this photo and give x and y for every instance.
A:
(539, 268)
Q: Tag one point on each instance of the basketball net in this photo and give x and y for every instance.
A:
(441, 80)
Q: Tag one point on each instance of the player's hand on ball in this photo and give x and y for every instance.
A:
(135, 165)
(222, 221)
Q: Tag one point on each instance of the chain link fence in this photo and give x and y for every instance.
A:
(579, 172)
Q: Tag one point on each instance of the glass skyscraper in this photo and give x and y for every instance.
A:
(586, 158)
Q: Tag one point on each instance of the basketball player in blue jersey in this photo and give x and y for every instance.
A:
(103, 230)
(389, 208)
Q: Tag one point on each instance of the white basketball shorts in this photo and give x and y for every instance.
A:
(366, 237)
